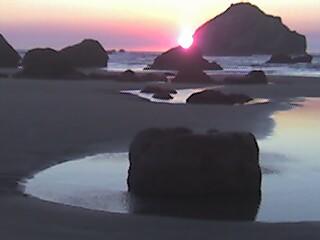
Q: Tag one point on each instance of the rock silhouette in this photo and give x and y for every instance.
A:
(253, 77)
(212, 96)
(45, 62)
(8, 55)
(88, 53)
(244, 29)
(177, 59)
(176, 162)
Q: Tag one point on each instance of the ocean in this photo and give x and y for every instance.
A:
(232, 65)
(136, 61)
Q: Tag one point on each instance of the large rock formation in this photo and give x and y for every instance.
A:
(243, 29)
(45, 62)
(212, 96)
(177, 59)
(88, 53)
(8, 56)
(176, 162)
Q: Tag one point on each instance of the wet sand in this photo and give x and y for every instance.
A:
(44, 122)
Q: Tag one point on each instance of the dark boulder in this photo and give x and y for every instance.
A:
(244, 29)
(211, 96)
(178, 58)
(8, 55)
(162, 95)
(176, 162)
(128, 76)
(153, 77)
(122, 51)
(287, 59)
(192, 75)
(88, 53)
(253, 77)
(156, 88)
(45, 62)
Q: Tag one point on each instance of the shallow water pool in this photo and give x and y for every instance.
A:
(290, 160)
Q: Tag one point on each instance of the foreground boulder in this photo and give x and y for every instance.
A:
(88, 53)
(8, 55)
(287, 59)
(176, 162)
(253, 77)
(244, 29)
(177, 59)
(45, 62)
(211, 96)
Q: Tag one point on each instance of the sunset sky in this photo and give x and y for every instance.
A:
(133, 24)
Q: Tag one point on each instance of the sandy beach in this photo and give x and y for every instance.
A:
(44, 122)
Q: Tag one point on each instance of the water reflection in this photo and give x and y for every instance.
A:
(290, 164)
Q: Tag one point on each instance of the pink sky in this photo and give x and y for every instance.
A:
(133, 24)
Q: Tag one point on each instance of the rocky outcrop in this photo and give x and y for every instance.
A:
(287, 59)
(244, 29)
(47, 63)
(88, 53)
(176, 162)
(178, 58)
(211, 96)
(8, 55)
(253, 77)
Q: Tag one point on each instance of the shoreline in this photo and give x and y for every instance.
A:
(47, 122)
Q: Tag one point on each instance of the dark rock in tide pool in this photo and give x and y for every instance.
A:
(47, 63)
(216, 97)
(254, 77)
(8, 55)
(178, 58)
(176, 162)
(244, 29)
(3, 75)
(287, 59)
(88, 53)
(156, 88)
(162, 95)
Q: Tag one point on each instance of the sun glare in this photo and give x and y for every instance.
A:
(185, 39)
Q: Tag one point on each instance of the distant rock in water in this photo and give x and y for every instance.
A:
(212, 96)
(47, 63)
(162, 95)
(177, 58)
(8, 55)
(177, 162)
(122, 51)
(287, 59)
(88, 53)
(244, 29)
(253, 77)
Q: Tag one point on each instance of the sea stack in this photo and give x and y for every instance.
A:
(8, 55)
(88, 53)
(244, 29)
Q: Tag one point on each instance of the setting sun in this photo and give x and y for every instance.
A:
(185, 39)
